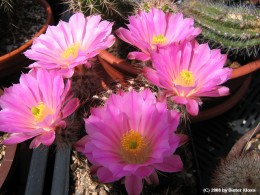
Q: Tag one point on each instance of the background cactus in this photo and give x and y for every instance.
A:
(235, 29)
(115, 10)
(165, 5)
(10, 10)
(7, 7)
(238, 173)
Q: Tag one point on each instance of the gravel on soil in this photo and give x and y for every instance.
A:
(31, 20)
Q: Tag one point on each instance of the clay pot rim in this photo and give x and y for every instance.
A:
(224, 106)
(7, 162)
(112, 64)
(123, 65)
(48, 12)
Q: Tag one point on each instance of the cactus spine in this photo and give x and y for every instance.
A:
(238, 172)
(234, 29)
(109, 9)
(165, 5)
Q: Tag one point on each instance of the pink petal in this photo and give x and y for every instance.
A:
(66, 73)
(80, 145)
(15, 138)
(133, 185)
(104, 175)
(180, 100)
(138, 56)
(183, 139)
(144, 171)
(61, 124)
(153, 179)
(70, 107)
(35, 143)
(125, 35)
(192, 107)
(172, 163)
(47, 138)
(219, 91)
(161, 96)
(152, 76)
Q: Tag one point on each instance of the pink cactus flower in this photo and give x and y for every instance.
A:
(187, 72)
(35, 107)
(131, 137)
(150, 31)
(71, 43)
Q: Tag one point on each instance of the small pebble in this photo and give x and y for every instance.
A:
(92, 187)
(103, 192)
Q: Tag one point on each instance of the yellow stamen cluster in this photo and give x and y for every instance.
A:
(134, 148)
(71, 51)
(40, 111)
(160, 39)
(185, 79)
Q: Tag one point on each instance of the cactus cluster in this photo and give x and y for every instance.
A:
(235, 29)
(238, 173)
(7, 6)
(89, 7)
(109, 9)
(10, 10)
(165, 5)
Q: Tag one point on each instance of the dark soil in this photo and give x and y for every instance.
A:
(20, 27)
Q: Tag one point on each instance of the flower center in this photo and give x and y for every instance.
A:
(134, 148)
(70, 51)
(160, 39)
(40, 111)
(185, 79)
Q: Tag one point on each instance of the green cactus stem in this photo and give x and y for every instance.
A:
(115, 10)
(165, 5)
(234, 29)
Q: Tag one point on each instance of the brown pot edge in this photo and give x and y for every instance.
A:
(7, 162)
(25, 46)
(224, 106)
(120, 63)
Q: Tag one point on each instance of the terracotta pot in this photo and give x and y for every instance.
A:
(14, 61)
(239, 146)
(220, 105)
(119, 69)
(7, 162)
(116, 64)
(246, 69)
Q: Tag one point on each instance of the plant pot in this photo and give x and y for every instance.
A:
(7, 164)
(119, 70)
(217, 106)
(15, 60)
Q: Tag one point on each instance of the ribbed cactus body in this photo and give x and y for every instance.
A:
(93, 7)
(165, 5)
(109, 9)
(234, 29)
